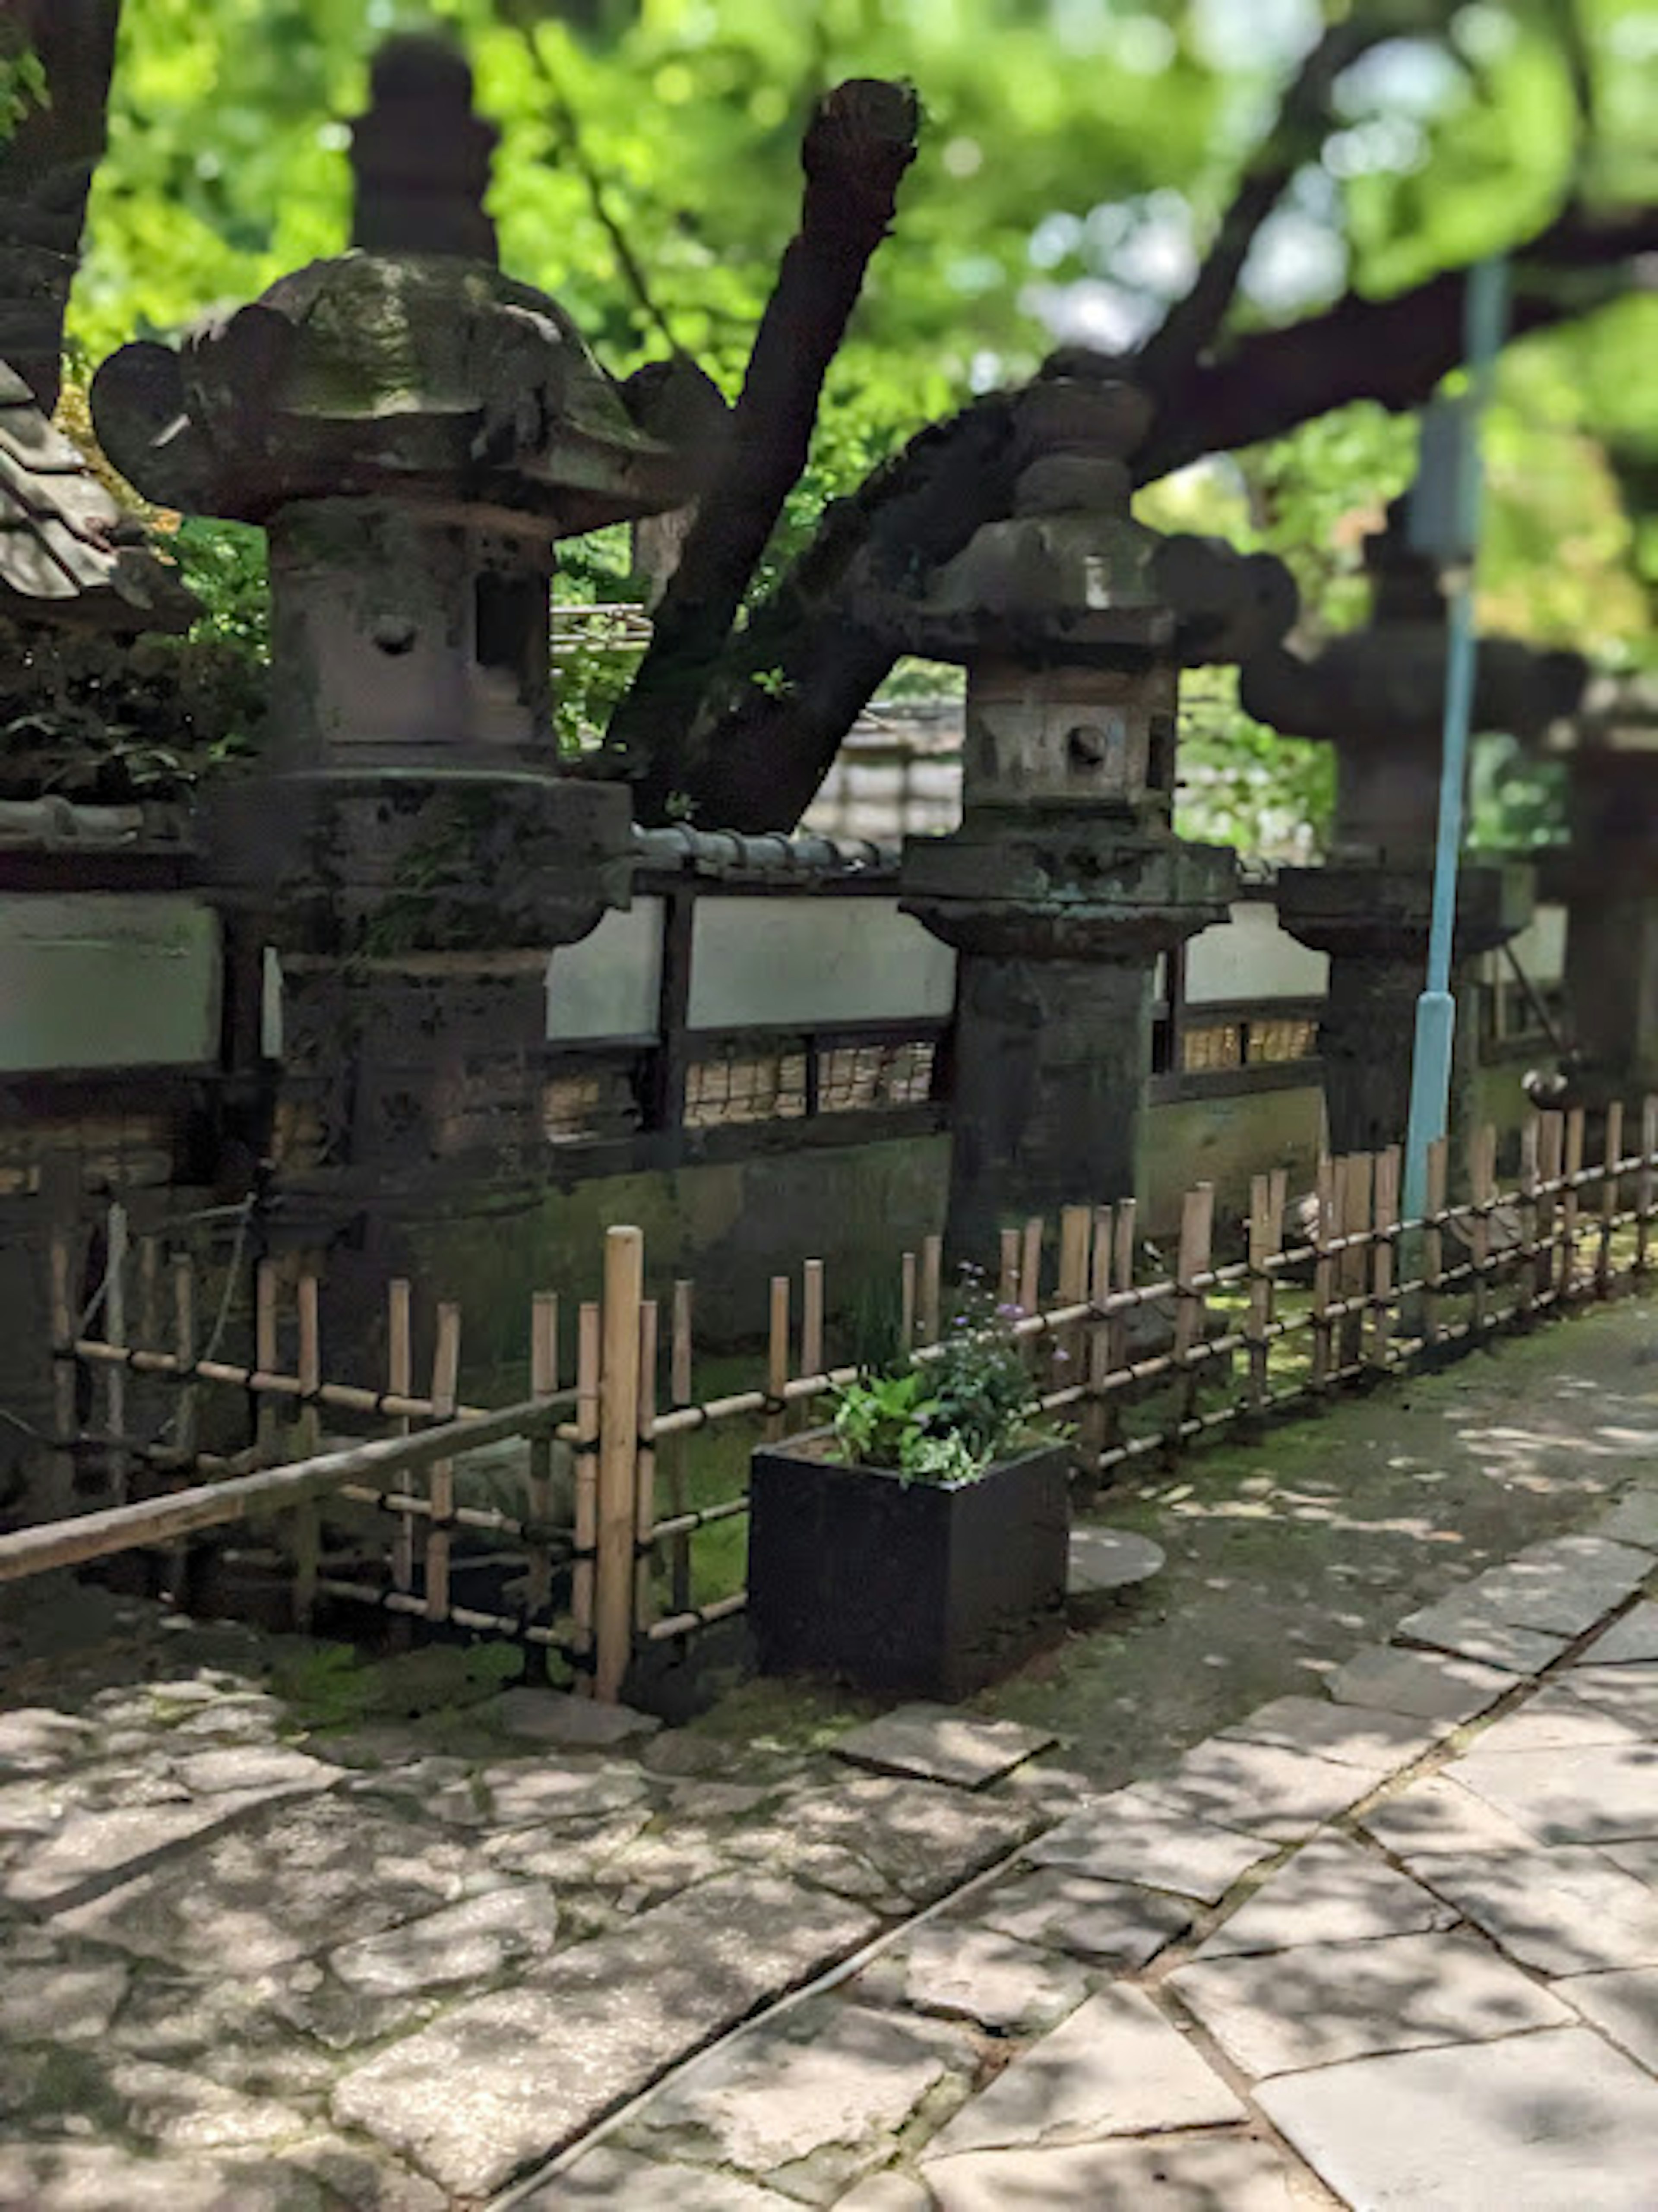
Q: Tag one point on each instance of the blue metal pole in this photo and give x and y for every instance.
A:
(1486, 320)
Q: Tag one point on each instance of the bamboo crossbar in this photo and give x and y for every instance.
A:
(159, 1520)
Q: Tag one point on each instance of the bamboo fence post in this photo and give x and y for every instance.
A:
(65, 1419)
(1029, 1299)
(1433, 1241)
(440, 1482)
(906, 1304)
(1530, 1176)
(400, 1383)
(618, 1456)
(184, 1344)
(1383, 1252)
(1076, 1230)
(1571, 1206)
(1552, 1152)
(777, 1353)
(115, 1333)
(264, 1353)
(1007, 1269)
(1262, 1244)
(1355, 1192)
(679, 1393)
(589, 1357)
(1483, 1167)
(1644, 1187)
(307, 1441)
(1612, 1153)
(645, 1508)
(1097, 1419)
(538, 1499)
(1328, 1228)
(812, 1361)
(148, 1330)
(1122, 1272)
(1197, 1235)
(932, 1293)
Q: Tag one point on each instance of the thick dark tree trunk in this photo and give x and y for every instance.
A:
(46, 172)
(861, 141)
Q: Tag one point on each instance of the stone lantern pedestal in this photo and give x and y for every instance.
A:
(1066, 883)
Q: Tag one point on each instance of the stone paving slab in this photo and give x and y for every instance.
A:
(90, 1851)
(1429, 1685)
(1632, 1640)
(1330, 1892)
(1134, 1837)
(553, 1717)
(1562, 1587)
(1628, 1693)
(1107, 1923)
(476, 1940)
(1260, 1789)
(622, 2181)
(1623, 2005)
(1468, 1630)
(1176, 2174)
(1634, 1520)
(1115, 2066)
(1569, 1910)
(937, 1744)
(1552, 2123)
(1600, 1795)
(70, 2176)
(1112, 1559)
(1437, 1818)
(1380, 1741)
(501, 2080)
(1556, 1719)
(810, 2101)
(1324, 2002)
(976, 1974)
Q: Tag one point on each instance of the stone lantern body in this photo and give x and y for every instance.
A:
(1377, 695)
(414, 431)
(1064, 884)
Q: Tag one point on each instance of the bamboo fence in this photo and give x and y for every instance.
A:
(1141, 1355)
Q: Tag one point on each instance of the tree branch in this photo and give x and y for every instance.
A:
(860, 142)
(1393, 351)
(45, 171)
(1298, 129)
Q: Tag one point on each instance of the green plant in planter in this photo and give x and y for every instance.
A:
(949, 1417)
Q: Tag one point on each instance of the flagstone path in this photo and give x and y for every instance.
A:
(278, 1939)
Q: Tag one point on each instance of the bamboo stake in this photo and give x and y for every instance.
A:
(1612, 1152)
(1433, 1242)
(1571, 1203)
(1266, 1240)
(777, 1352)
(811, 1318)
(184, 1344)
(644, 1461)
(1387, 1231)
(1076, 1234)
(440, 1483)
(1122, 1275)
(264, 1347)
(680, 1392)
(933, 1310)
(148, 1330)
(1483, 1166)
(65, 1373)
(307, 1516)
(906, 1305)
(589, 1355)
(1553, 1160)
(1029, 1299)
(1197, 1232)
(539, 1496)
(1007, 1273)
(1097, 1421)
(1327, 1231)
(115, 1333)
(400, 1380)
(1643, 1202)
(1530, 1176)
(1355, 1196)
(618, 1453)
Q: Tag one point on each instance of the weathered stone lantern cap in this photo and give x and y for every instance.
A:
(1071, 576)
(370, 375)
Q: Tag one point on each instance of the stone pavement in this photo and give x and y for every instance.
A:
(1394, 1947)
(281, 1935)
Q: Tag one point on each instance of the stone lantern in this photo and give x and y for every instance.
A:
(414, 432)
(1377, 695)
(1064, 884)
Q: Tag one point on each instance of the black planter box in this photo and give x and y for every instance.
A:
(926, 1589)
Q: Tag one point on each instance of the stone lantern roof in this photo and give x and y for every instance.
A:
(1384, 685)
(69, 554)
(409, 367)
